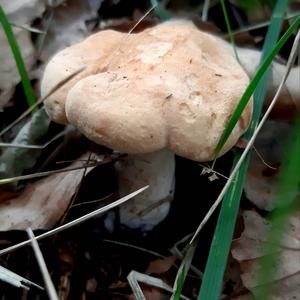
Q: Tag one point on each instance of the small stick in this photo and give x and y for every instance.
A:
(76, 221)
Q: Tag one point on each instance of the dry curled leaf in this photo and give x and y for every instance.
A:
(249, 249)
(43, 203)
(151, 293)
(69, 25)
(161, 265)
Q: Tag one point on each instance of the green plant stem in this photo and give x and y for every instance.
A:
(252, 86)
(220, 247)
(214, 271)
(161, 11)
(30, 97)
(226, 17)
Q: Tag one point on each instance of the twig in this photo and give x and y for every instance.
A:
(16, 280)
(43, 267)
(91, 202)
(76, 221)
(262, 159)
(44, 174)
(205, 10)
(135, 277)
(135, 247)
(24, 146)
(121, 44)
(41, 100)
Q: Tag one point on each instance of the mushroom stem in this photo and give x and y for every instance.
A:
(156, 170)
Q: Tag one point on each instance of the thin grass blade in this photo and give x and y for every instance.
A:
(217, 260)
(16, 280)
(161, 11)
(253, 84)
(75, 222)
(214, 271)
(183, 270)
(134, 278)
(41, 100)
(30, 97)
(43, 267)
(249, 146)
(205, 10)
(226, 17)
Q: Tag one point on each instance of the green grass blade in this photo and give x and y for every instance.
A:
(272, 35)
(161, 11)
(226, 17)
(30, 97)
(289, 184)
(232, 198)
(183, 270)
(252, 86)
(214, 271)
(217, 260)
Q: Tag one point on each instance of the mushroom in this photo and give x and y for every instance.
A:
(167, 90)
(91, 53)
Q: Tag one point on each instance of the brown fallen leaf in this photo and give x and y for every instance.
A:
(43, 203)
(244, 297)
(8, 71)
(68, 25)
(152, 293)
(161, 265)
(19, 13)
(262, 177)
(6, 195)
(249, 249)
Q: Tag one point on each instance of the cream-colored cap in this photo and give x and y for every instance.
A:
(170, 86)
(91, 53)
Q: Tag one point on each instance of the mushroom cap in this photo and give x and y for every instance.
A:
(91, 53)
(170, 86)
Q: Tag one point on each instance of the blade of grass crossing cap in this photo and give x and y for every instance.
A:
(30, 97)
(214, 271)
(253, 84)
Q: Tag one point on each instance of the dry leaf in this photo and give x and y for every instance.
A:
(9, 75)
(42, 203)
(161, 265)
(23, 12)
(151, 293)
(244, 297)
(249, 249)
(262, 176)
(20, 13)
(68, 25)
(14, 161)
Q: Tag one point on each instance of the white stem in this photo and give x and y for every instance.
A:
(156, 170)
